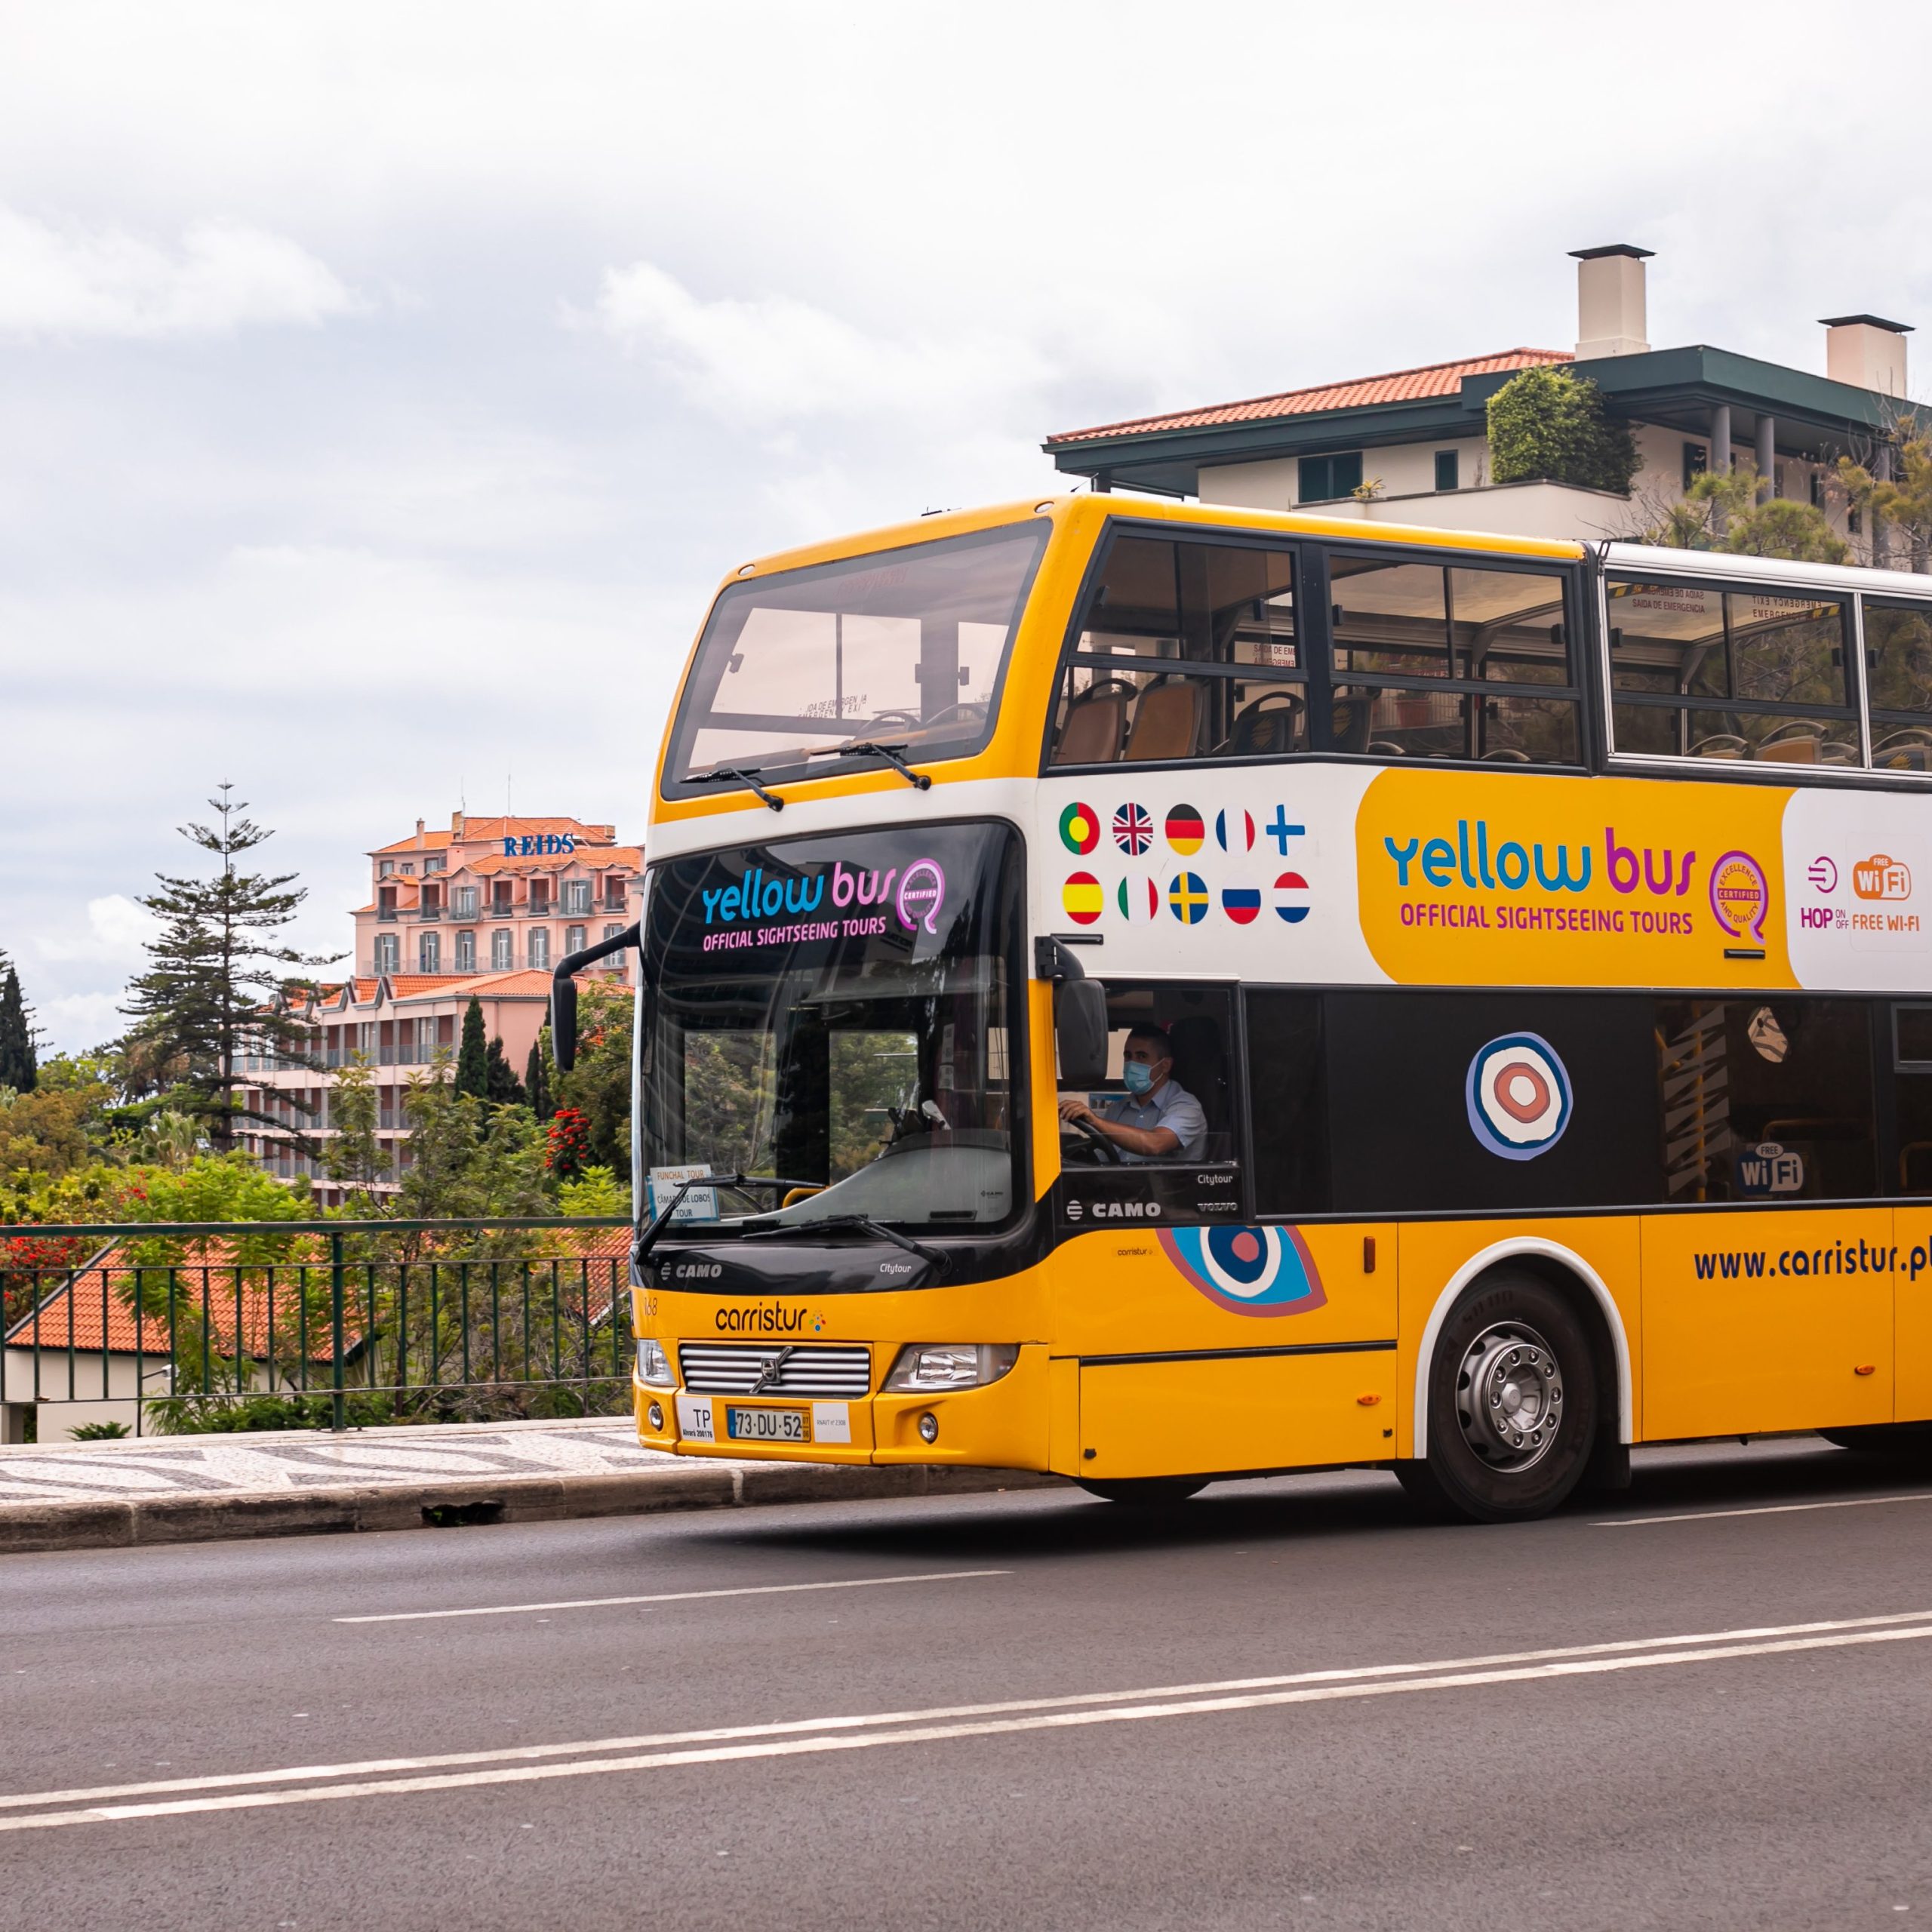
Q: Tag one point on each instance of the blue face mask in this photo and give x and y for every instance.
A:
(1139, 1078)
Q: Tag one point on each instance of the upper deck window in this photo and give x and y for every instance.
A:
(1898, 658)
(1750, 672)
(904, 647)
(1184, 650)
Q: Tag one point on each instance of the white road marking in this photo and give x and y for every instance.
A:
(667, 1596)
(1213, 1696)
(932, 1734)
(1760, 1509)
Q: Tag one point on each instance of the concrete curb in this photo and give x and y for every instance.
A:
(125, 1523)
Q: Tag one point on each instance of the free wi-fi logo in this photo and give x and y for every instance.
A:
(1881, 877)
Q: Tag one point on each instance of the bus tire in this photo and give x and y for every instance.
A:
(1910, 1440)
(1513, 1404)
(1148, 1492)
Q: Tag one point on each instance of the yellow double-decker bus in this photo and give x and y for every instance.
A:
(1159, 993)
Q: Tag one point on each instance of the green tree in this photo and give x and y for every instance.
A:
(1721, 511)
(209, 990)
(1903, 499)
(539, 1076)
(1546, 424)
(468, 1160)
(19, 1067)
(355, 1155)
(472, 1060)
(500, 1087)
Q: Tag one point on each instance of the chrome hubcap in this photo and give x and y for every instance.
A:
(1509, 1396)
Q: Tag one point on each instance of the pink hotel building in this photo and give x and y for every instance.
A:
(484, 910)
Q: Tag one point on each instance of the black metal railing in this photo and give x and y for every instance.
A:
(148, 1328)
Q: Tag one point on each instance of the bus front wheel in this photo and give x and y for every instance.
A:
(1513, 1405)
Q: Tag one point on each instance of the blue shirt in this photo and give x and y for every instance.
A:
(1173, 1107)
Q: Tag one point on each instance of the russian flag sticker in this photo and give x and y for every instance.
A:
(1185, 830)
(1082, 896)
(1242, 903)
(1292, 897)
(1139, 899)
(1234, 831)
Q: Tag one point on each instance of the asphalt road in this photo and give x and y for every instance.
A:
(1283, 1704)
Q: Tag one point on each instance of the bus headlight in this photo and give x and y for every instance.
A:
(925, 1366)
(654, 1365)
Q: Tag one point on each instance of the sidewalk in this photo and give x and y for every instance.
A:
(200, 1488)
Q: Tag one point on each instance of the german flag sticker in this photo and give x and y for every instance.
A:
(1185, 830)
(1082, 896)
(1080, 829)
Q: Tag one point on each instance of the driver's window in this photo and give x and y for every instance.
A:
(1171, 1069)
(875, 1077)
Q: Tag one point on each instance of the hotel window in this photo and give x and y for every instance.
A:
(502, 950)
(539, 949)
(612, 931)
(466, 952)
(434, 864)
(616, 892)
(575, 939)
(386, 869)
(539, 897)
(500, 895)
(463, 902)
(1448, 469)
(577, 895)
(1323, 478)
(1696, 460)
(388, 946)
(429, 953)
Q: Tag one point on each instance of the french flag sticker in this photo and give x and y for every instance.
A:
(1234, 831)
(1292, 897)
(1242, 903)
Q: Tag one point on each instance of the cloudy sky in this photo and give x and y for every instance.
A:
(384, 387)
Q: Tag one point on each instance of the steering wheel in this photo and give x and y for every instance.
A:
(1103, 1150)
(904, 718)
(968, 709)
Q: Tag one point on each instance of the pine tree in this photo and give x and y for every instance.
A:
(20, 1065)
(500, 1087)
(472, 1060)
(536, 1080)
(208, 994)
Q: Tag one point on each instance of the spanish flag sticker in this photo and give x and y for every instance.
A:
(1185, 830)
(1080, 829)
(1082, 896)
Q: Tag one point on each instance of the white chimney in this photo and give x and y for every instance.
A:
(1867, 352)
(1610, 301)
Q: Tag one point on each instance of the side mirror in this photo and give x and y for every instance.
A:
(1080, 1027)
(563, 993)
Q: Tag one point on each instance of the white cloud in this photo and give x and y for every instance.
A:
(76, 1022)
(116, 929)
(68, 280)
(778, 358)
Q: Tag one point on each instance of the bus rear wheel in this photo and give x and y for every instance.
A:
(1148, 1492)
(1513, 1405)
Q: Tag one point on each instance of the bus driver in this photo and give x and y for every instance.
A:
(1155, 1119)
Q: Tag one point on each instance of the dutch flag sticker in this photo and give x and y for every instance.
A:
(1291, 898)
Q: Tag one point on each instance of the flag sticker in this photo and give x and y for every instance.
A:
(1133, 829)
(1080, 829)
(1242, 903)
(1292, 897)
(1185, 831)
(1083, 898)
(1187, 896)
(1234, 831)
(1139, 899)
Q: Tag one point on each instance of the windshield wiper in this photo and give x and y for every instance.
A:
(647, 1239)
(746, 775)
(858, 1224)
(866, 748)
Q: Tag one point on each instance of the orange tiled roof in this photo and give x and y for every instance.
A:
(1399, 385)
(596, 858)
(486, 829)
(409, 986)
(426, 841)
(523, 983)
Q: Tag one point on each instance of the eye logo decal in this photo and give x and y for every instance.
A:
(1519, 1095)
(1247, 1271)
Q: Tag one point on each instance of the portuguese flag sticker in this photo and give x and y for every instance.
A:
(1080, 829)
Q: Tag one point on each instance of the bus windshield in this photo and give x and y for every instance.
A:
(837, 1012)
(902, 647)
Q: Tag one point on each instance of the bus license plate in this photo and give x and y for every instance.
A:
(767, 1426)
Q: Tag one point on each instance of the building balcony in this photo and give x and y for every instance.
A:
(428, 911)
(386, 913)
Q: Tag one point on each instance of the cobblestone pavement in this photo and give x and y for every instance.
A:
(303, 1460)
